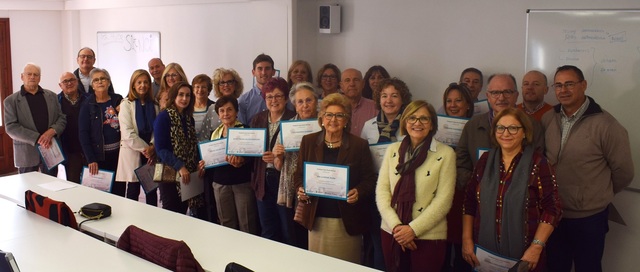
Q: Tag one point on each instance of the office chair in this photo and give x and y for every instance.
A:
(54, 210)
(168, 253)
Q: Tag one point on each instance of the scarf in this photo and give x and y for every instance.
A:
(217, 133)
(512, 226)
(404, 193)
(184, 142)
(388, 130)
(145, 117)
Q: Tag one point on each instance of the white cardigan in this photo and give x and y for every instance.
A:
(131, 145)
(435, 184)
(371, 133)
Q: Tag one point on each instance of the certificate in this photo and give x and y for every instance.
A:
(102, 181)
(481, 151)
(481, 107)
(51, 156)
(194, 188)
(491, 261)
(145, 177)
(246, 142)
(291, 132)
(213, 153)
(377, 153)
(326, 180)
(450, 129)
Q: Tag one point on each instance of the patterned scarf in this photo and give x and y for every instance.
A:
(388, 130)
(184, 142)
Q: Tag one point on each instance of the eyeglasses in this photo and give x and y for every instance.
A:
(172, 75)
(90, 57)
(227, 83)
(569, 85)
(505, 93)
(100, 79)
(423, 120)
(513, 129)
(68, 81)
(338, 116)
(301, 102)
(329, 77)
(274, 97)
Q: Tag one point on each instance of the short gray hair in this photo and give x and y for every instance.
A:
(302, 85)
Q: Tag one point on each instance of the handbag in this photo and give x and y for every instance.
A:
(164, 173)
(306, 212)
(95, 211)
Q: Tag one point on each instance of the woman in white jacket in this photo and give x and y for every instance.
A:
(137, 114)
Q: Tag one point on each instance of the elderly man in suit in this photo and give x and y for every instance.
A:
(33, 117)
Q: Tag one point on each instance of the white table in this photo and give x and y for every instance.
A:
(39, 244)
(214, 246)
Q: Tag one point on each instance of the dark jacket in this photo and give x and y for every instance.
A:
(84, 92)
(354, 152)
(261, 120)
(69, 138)
(90, 127)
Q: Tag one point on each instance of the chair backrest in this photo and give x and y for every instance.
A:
(54, 210)
(171, 254)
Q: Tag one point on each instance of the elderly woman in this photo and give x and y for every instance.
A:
(336, 229)
(305, 99)
(227, 82)
(328, 79)
(99, 128)
(391, 99)
(137, 114)
(276, 221)
(511, 205)
(457, 102)
(176, 146)
(235, 200)
(372, 79)
(299, 71)
(414, 193)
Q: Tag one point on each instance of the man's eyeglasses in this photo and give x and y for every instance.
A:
(274, 97)
(227, 83)
(69, 81)
(172, 75)
(505, 93)
(569, 85)
(338, 116)
(423, 120)
(513, 129)
(89, 57)
(100, 79)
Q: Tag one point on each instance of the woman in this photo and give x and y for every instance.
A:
(299, 71)
(414, 193)
(176, 146)
(227, 82)
(162, 100)
(276, 221)
(99, 128)
(328, 79)
(234, 197)
(305, 99)
(338, 225)
(137, 115)
(173, 73)
(391, 99)
(372, 79)
(520, 179)
(457, 101)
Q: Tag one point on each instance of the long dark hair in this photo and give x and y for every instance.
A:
(173, 94)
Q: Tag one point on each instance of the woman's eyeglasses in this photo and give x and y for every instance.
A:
(513, 129)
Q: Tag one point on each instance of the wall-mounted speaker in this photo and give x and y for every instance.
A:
(329, 19)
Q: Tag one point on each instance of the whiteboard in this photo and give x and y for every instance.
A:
(122, 52)
(605, 45)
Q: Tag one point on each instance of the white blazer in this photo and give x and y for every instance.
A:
(131, 145)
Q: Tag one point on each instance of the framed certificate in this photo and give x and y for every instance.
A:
(53, 155)
(291, 132)
(450, 129)
(246, 142)
(377, 154)
(481, 106)
(491, 261)
(214, 153)
(102, 181)
(326, 180)
(145, 177)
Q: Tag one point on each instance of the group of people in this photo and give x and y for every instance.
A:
(529, 181)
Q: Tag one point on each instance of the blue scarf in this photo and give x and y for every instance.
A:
(145, 116)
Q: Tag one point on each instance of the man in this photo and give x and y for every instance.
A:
(156, 68)
(534, 88)
(472, 77)
(86, 59)
(70, 101)
(252, 102)
(591, 154)
(476, 135)
(33, 117)
(362, 109)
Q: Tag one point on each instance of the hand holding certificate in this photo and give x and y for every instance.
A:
(193, 188)
(326, 180)
(491, 261)
(53, 155)
(213, 153)
(102, 181)
(246, 142)
(291, 132)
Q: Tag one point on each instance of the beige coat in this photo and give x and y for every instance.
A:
(131, 145)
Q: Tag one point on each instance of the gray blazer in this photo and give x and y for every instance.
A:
(20, 127)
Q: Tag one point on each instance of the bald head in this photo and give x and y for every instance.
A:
(156, 68)
(68, 84)
(351, 83)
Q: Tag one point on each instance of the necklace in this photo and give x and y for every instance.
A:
(537, 108)
(332, 144)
